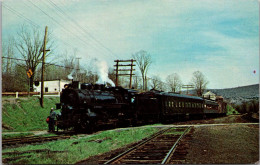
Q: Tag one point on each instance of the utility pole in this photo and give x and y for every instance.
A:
(77, 70)
(131, 70)
(117, 61)
(188, 87)
(43, 63)
(131, 73)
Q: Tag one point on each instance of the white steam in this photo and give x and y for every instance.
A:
(70, 75)
(102, 71)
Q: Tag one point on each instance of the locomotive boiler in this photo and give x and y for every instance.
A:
(86, 107)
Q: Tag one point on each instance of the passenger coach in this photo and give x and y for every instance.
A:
(163, 106)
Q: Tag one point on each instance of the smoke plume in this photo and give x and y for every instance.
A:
(70, 75)
(102, 71)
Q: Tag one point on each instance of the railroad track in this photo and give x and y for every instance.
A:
(30, 140)
(157, 149)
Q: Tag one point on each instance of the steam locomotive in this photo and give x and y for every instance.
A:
(86, 107)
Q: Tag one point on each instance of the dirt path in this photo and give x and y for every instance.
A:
(34, 132)
(232, 144)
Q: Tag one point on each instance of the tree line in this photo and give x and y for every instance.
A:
(24, 52)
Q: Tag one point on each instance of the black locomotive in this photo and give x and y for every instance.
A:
(90, 106)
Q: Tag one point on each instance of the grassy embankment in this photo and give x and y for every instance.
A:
(26, 114)
(77, 148)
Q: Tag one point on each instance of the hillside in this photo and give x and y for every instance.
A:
(239, 94)
(236, 95)
(26, 114)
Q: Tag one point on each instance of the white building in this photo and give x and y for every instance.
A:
(51, 86)
(209, 95)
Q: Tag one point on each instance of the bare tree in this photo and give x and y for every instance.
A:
(200, 82)
(8, 53)
(156, 83)
(143, 60)
(8, 67)
(174, 82)
(29, 44)
(136, 81)
(69, 63)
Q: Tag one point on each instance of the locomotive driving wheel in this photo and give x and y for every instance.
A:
(84, 125)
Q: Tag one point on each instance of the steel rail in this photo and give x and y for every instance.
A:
(174, 147)
(34, 139)
(136, 146)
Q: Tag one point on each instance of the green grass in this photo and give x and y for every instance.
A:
(231, 110)
(26, 114)
(79, 148)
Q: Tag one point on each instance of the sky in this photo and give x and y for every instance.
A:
(220, 38)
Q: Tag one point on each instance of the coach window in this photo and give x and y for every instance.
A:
(172, 104)
(180, 104)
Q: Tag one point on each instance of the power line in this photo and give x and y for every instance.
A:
(79, 37)
(18, 59)
(66, 30)
(83, 29)
(20, 15)
(55, 20)
(27, 19)
(58, 13)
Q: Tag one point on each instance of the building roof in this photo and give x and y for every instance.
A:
(209, 93)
